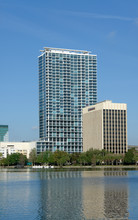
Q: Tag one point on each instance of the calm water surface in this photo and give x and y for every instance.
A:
(68, 195)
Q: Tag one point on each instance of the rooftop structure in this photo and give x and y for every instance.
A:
(62, 50)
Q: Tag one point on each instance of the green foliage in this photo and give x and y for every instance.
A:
(22, 160)
(4, 162)
(94, 156)
(83, 158)
(135, 156)
(109, 158)
(51, 159)
(113, 159)
(45, 157)
(129, 157)
(74, 158)
(14, 159)
(33, 156)
(119, 159)
(61, 157)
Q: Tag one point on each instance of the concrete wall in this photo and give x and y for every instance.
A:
(92, 130)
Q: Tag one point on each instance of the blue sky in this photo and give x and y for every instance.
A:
(107, 28)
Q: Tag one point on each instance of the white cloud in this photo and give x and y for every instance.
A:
(100, 16)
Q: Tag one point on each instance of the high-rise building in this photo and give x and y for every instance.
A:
(67, 83)
(105, 127)
(4, 135)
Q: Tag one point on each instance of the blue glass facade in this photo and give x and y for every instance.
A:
(67, 83)
(4, 133)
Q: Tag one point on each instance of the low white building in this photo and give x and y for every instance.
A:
(16, 147)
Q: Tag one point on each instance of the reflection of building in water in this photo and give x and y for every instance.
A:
(93, 194)
(61, 195)
(83, 195)
(116, 195)
(115, 173)
(105, 195)
(60, 175)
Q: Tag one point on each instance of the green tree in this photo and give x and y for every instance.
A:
(33, 156)
(135, 152)
(51, 158)
(90, 155)
(4, 162)
(74, 158)
(118, 158)
(83, 158)
(13, 159)
(39, 158)
(109, 158)
(136, 158)
(1, 155)
(93, 156)
(61, 157)
(129, 157)
(22, 160)
(102, 156)
(44, 157)
(97, 156)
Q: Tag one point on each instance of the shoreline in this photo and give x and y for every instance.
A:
(73, 168)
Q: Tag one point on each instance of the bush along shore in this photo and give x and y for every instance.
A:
(90, 158)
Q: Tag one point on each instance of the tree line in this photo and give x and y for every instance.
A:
(14, 160)
(91, 157)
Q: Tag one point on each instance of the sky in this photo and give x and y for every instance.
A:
(107, 28)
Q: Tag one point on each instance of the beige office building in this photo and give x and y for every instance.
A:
(105, 127)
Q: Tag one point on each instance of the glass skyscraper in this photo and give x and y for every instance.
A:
(4, 136)
(67, 83)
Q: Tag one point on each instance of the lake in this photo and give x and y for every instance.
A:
(68, 195)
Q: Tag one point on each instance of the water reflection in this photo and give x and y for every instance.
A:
(84, 195)
(115, 173)
(61, 195)
(116, 195)
(93, 194)
(105, 195)
(18, 195)
(66, 195)
(60, 175)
